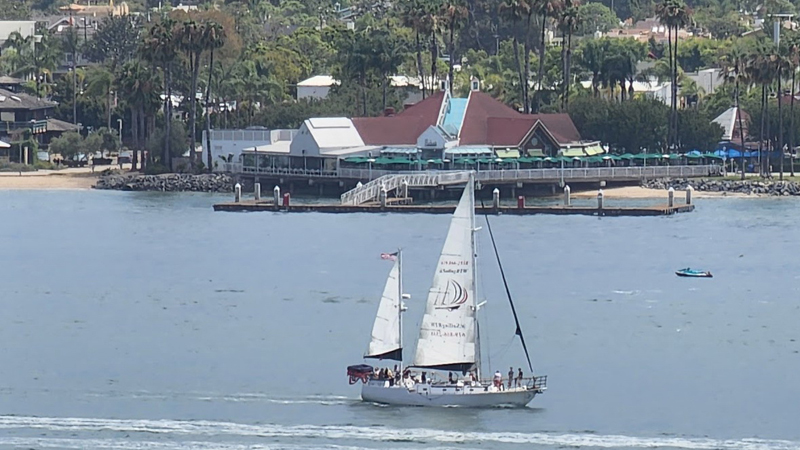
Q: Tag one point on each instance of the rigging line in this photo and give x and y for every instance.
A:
(518, 331)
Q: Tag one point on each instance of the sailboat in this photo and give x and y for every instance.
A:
(449, 335)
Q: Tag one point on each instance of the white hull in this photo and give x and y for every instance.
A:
(379, 391)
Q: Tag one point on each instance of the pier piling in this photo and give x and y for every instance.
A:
(276, 195)
(237, 193)
(671, 197)
(600, 199)
(689, 190)
(257, 191)
(567, 198)
(496, 199)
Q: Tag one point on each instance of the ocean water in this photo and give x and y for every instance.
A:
(148, 321)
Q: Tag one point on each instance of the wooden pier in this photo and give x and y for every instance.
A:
(656, 210)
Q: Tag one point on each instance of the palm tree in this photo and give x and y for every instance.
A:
(593, 55)
(99, 83)
(568, 22)
(214, 38)
(389, 53)
(160, 47)
(453, 12)
(546, 9)
(675, 15)
(761, 70)
(71, 44)
(413, 16)
(190, 39)
(793, 56)
(734, 62)
(139, 87)
(515, 10)
(34, 56)
(432, 22)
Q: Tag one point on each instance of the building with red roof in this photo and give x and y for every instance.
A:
(441, 127)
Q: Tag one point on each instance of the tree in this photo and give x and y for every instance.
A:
(71, 44)
(698, 132)
(545, 9)
(191, 39)
(215, 38)
(675, 15)
(594, 17)
(414, 16)
(568, 22)
(116, 41)
(761, 70)
(99, 84)
(14, 10)
(139, 87)
(515, 11)
(68, 145)
(453, 13)
(160, 47)
(34, 56)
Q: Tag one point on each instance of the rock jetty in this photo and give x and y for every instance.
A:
(167, 182)
(777, 188)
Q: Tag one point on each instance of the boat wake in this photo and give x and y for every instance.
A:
(326, 400)
(205, 434)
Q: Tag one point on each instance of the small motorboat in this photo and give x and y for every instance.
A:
(687, 272)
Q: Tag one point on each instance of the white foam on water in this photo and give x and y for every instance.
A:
(124, 444)
(221, 397)
(176, 428)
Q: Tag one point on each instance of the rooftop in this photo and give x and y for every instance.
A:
(14, 100)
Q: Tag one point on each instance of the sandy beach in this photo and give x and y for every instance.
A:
(634, 192)
(47, 180)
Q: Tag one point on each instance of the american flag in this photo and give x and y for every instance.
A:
(389, 256)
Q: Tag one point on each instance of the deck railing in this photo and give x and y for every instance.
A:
(550, 174)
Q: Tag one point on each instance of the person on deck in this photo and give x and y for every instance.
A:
(498, 380)
(510, 376)
(519, 377)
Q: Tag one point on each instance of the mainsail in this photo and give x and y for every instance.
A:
(386, 332)
(448, 333)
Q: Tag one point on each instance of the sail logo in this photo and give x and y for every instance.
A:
(453, 296)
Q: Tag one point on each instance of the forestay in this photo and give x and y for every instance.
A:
(385, 342)
(448, 333)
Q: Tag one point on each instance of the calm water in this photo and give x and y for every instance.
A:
(147, 321)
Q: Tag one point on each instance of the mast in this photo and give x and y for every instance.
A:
(471, 187)
(400, 301)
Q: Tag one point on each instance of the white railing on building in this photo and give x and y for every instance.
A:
(370, 191)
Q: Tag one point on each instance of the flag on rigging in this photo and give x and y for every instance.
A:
(389, 256)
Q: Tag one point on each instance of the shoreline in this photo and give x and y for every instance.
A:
(638, 192)
(46, 181)
(86, 180)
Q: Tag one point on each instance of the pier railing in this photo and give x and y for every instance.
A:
(505, 175)
(391, 181)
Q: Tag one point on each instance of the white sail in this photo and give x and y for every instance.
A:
(386, 333)
(448, 333)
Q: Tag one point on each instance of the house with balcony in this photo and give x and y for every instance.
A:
(23, 115)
